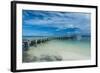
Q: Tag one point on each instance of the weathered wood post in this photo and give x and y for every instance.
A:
(36, 43)
(25, 45)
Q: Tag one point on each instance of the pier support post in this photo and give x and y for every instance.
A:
(36, 43)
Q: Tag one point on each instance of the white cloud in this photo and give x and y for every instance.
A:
(60, 20)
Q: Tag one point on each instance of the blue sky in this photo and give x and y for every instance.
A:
(49, 23)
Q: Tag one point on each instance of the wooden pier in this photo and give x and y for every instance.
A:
(34, 42)
(29, 42)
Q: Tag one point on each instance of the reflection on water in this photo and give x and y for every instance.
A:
(58, 50)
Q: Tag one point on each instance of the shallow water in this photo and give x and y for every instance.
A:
(58, 50)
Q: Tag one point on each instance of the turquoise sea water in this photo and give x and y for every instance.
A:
(59, 50)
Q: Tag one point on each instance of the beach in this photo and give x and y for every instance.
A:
(58, 50)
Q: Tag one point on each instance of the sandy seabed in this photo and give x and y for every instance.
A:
(58, 50)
